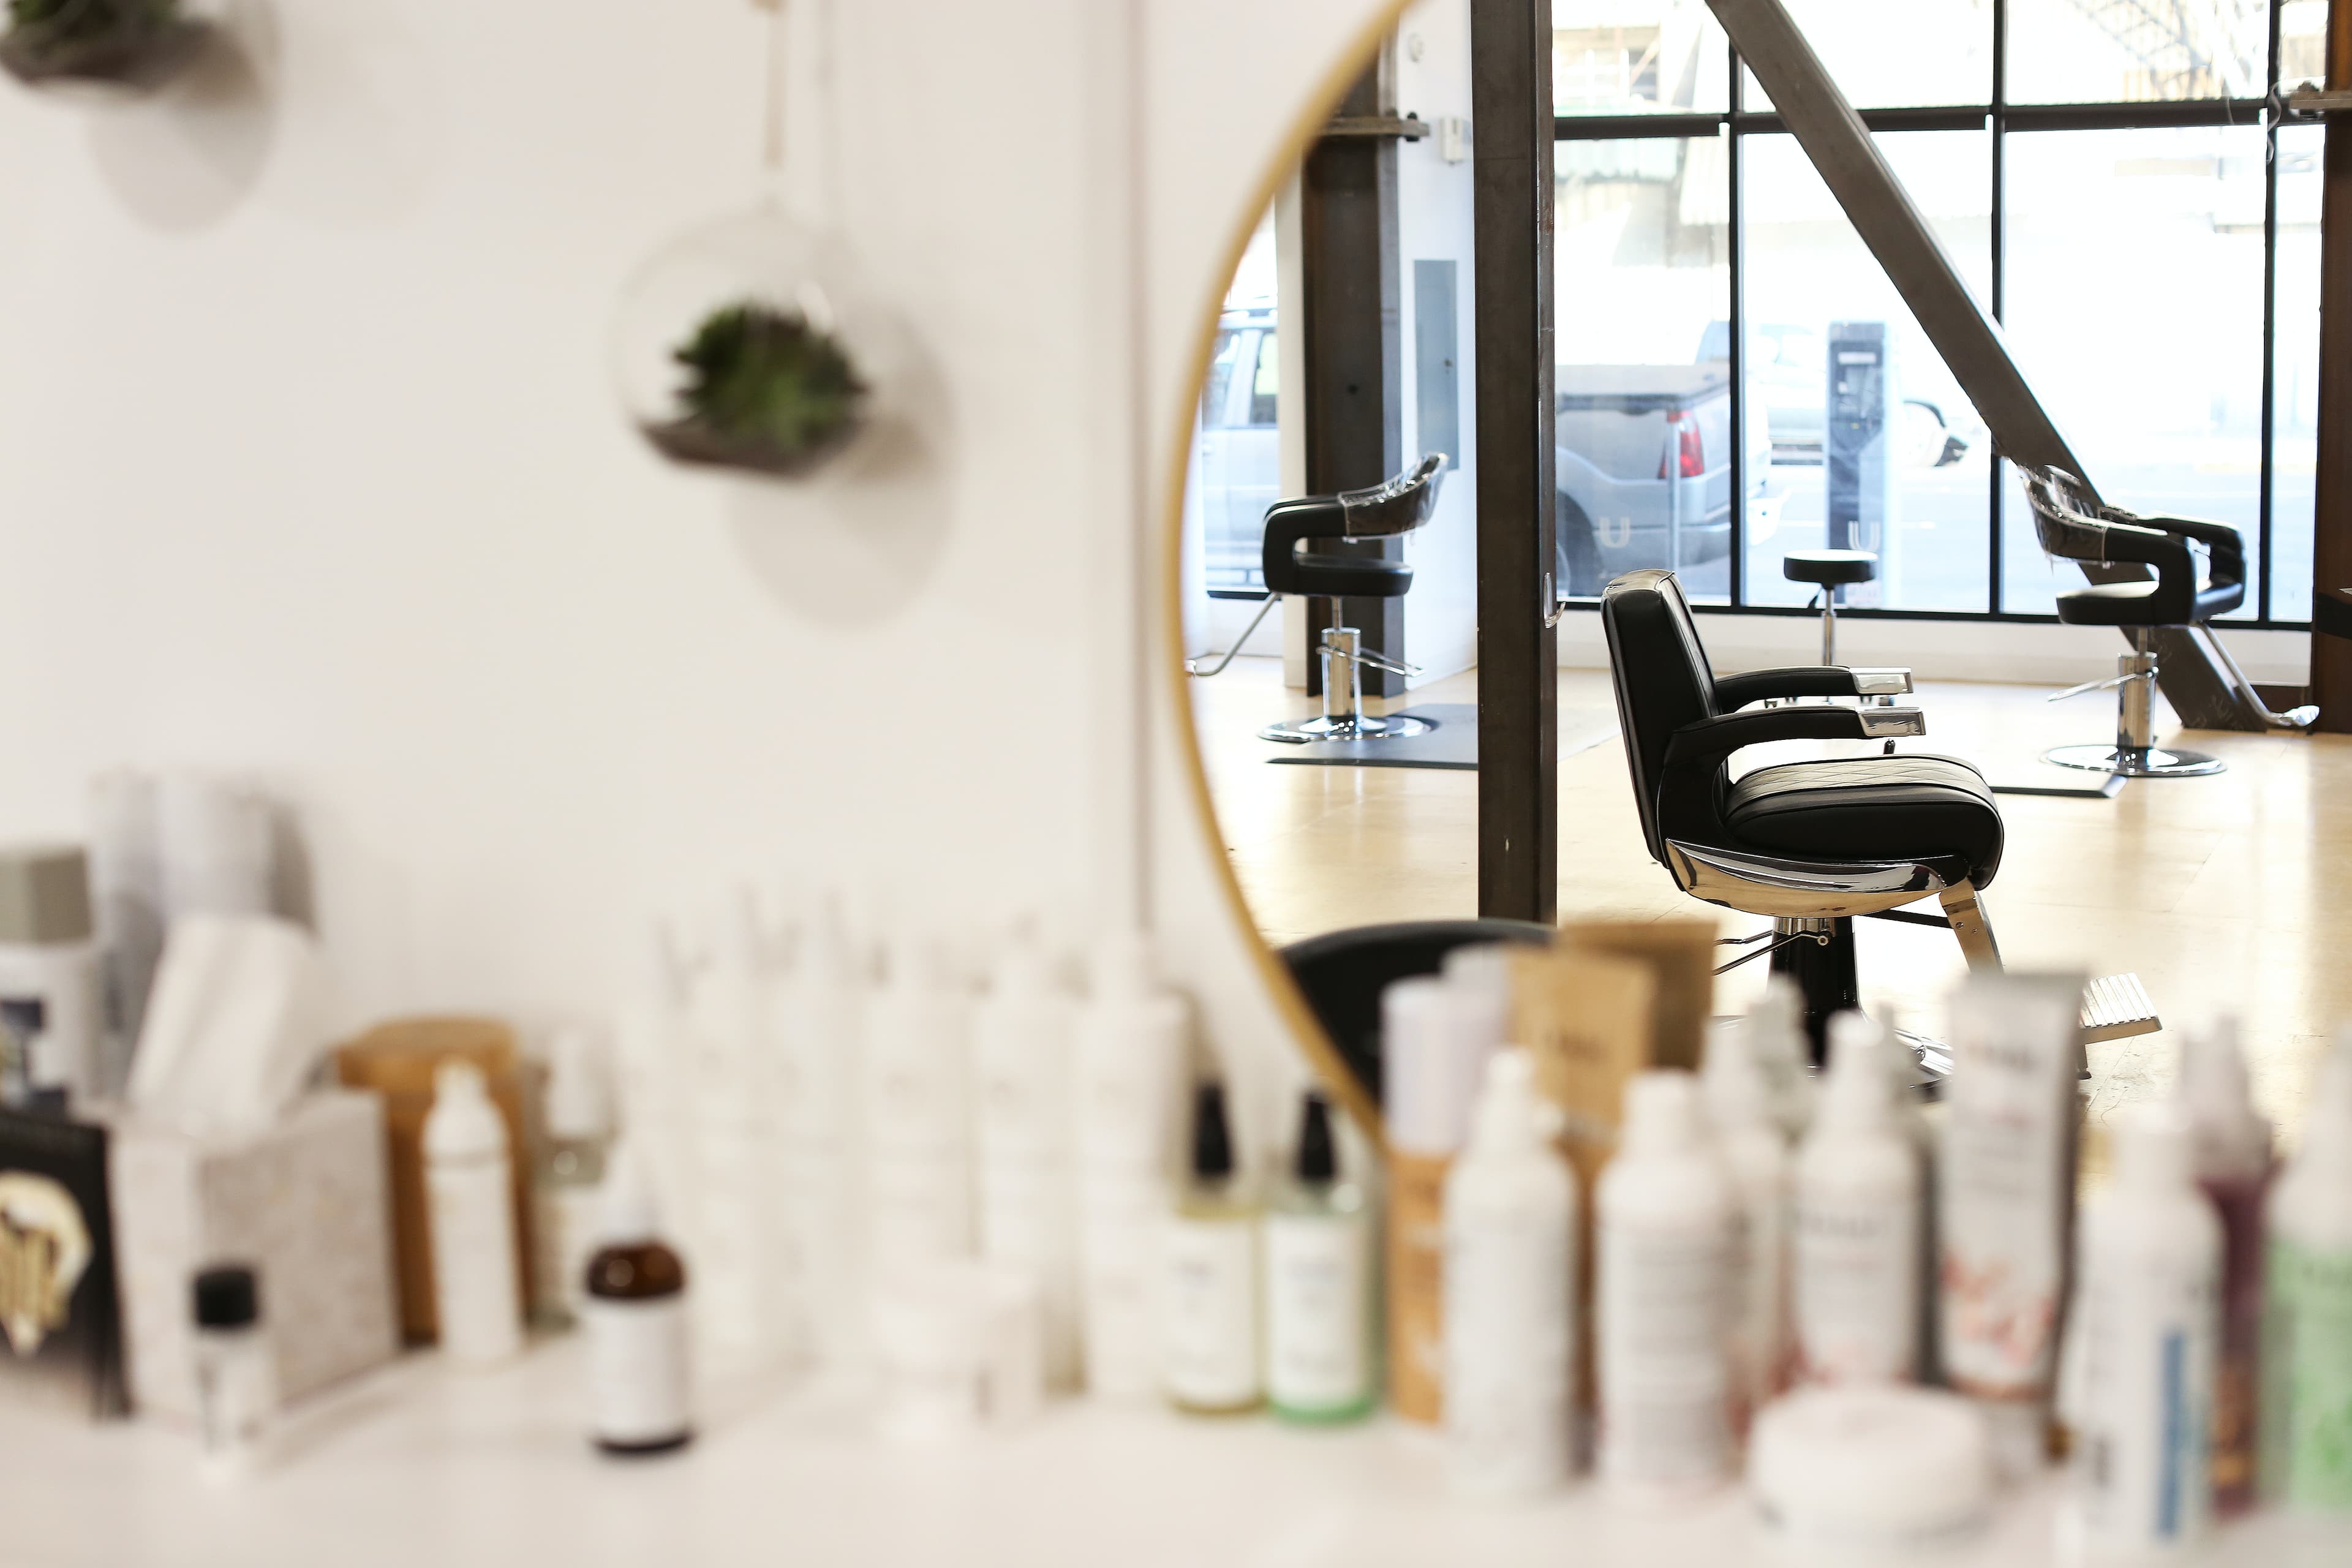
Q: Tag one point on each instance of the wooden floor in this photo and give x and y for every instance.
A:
(2222, 893)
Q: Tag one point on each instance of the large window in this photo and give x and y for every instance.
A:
(2114, 186)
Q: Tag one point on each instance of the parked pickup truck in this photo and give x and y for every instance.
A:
(1644, 471)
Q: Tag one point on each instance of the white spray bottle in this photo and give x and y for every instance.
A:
(2151, 1270)
(1510, 1294)
(1663, 1252)
(1741, 1112)
(1857, 1221)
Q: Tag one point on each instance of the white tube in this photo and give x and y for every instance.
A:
(2004, 1192)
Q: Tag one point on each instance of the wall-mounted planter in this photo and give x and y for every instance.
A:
(744, 345)
(115, 48)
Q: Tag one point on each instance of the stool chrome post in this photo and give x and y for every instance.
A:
(1344, 718)
(1829, 626)
(2135, 754)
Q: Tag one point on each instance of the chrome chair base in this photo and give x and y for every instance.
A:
(2135, 762)
(1361, 727)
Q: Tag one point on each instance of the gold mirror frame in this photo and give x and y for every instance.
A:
(1322, 1056)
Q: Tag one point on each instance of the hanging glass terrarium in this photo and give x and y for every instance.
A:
(119, 46)
(745, 344)
(739, 350)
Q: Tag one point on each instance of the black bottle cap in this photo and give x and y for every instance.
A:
(1212, 1146)
(227, 1297)
(1318, 1162)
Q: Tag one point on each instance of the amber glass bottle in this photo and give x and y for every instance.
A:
(640, 1381)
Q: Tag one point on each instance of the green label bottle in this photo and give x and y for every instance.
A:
(2308, 1377)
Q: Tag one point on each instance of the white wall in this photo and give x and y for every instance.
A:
(309, 465)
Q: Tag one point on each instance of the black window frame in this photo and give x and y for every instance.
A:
(1999, 117)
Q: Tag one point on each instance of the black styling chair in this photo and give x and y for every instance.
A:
(1811, 843)
(1343, 972)
(1382, 511)
(2073, 527)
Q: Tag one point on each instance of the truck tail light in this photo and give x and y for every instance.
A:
(1687, 454)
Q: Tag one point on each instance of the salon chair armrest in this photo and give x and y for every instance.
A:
(1702, 745)
(1809, 680)
(2226, 544)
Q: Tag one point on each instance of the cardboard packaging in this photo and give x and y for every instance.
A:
(304, 1202)
(395, 1059)
(60, 1333)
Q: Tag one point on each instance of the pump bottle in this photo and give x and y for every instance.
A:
(1741, 1113)
(917, 1101)
(2306, 1364)
(640, 1387)
(1209, 1338)
(2151, 1264)
(1663, 1245)
(1318, 1279)
(2232, 1143)
(469, 1193)
(1857, 1221)
(568, 1177)
(1510, 1296)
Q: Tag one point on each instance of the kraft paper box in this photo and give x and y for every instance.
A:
(305, 1204)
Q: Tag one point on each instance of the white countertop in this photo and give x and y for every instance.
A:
(424, 1465)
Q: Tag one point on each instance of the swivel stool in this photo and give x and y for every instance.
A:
(2073, 527)
(1293, 565)
(1829, 571)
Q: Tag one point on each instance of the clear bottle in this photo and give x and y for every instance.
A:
(1511, 1295)
(1318, 1283)
(639, 1376)
(1741, 1113)
(2231, 1142)
(2307, 1327)
(1208, 1334)
(2151, 1267)
(1662, 1249)
(568, 1177)
(470, 1199)
(236, 1380)
(1857, 1221)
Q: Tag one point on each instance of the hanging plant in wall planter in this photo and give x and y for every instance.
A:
(746, 345)
(115, 46)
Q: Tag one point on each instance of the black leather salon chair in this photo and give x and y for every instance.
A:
(1831, 572)
(2073, 527)
(1343, 972)
(1292, 564)
(1810, 843)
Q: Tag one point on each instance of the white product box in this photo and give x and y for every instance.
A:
(306, 1203)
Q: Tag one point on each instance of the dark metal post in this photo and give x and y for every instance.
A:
(1354, 395)
(2331, 554)
(1518, 769)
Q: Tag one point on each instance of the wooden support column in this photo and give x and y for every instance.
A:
(1354, 395)
(2331, 533)
(1518, 667)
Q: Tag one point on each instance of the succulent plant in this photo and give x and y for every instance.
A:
(131, 43)
(765, 390)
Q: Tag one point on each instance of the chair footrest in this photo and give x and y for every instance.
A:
(2116, 1007)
